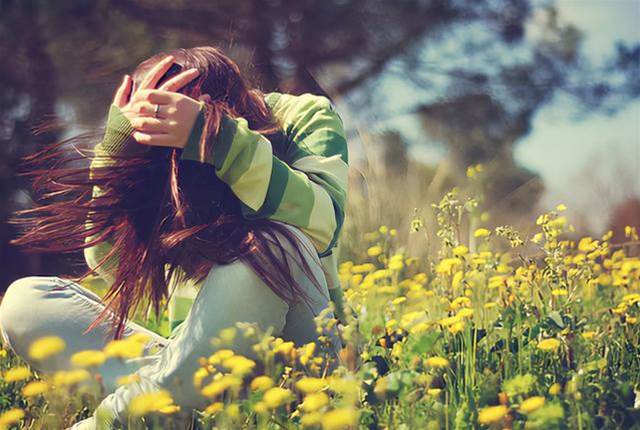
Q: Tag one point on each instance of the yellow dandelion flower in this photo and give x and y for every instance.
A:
(315, 401)
(233, 410)
(17, 374)
(492, 414)
(284, 348)
(45, 347)
(458, 302)
(35, 388)
(460, 250)
(227, 335)
(128, 379)
(363, 268)
(239, 365)
(276, 397)
(88, 358)
(147, 403)
(374, 251)
(437, 362)
(587, 244)
(559, 292)
(456, 327)
(555, 389)
(12, 416)
(199, 376)
(219, 356)
(449, 321)
(64, 378)
(124, 348)
(341, 418)
(219, 386)
(561, 207)
(447, 265)
(306, 352)
(398, 300)
(481, 232)
(549, 344)
(168, 410)
(345, 386)
(465, 313)
(434, 391)
(260, 408)
(497, 281)
(311, 385)
(396, 265)
(531, 404)
(262, 383)
(589, 335)
(311, 419)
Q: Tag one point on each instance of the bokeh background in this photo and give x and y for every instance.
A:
(544, 94)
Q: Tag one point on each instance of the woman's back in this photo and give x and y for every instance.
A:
(234, 288)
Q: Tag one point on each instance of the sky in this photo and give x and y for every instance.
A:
(591, 163)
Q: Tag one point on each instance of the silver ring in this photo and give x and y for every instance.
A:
(155, 112)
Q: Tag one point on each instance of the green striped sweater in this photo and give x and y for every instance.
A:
(305, 187)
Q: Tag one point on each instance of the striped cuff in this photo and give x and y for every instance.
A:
(118, 135)
(191, 151)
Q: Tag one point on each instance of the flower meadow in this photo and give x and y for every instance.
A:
(496, 330)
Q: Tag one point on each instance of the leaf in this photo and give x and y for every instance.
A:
(556, 318)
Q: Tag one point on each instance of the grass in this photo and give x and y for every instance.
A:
(495, 329)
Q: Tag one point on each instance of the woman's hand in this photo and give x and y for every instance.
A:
(161, 117)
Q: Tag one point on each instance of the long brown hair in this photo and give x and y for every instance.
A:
(161, 213)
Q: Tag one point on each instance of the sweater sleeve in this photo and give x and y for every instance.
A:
(116, 140)
(306, 187)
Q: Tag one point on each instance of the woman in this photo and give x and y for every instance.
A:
(187, 187)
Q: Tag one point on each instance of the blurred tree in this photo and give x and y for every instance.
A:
(489, 103)
(64, 58)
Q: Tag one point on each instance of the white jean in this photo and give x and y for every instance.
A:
(34, 307)
(39, 306)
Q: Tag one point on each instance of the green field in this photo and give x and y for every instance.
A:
(495, 330)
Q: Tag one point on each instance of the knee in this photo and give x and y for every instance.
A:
(20, 303)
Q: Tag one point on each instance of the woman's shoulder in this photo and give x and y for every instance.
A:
(292, 105)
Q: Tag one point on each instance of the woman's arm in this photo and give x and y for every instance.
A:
(129, 109)
(307, 186)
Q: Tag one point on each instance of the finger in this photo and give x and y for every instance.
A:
(180, 80)
(150, 125)
(145, 108)
(158, 97)
(122, 94)
(154, 139)
(156, 72)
